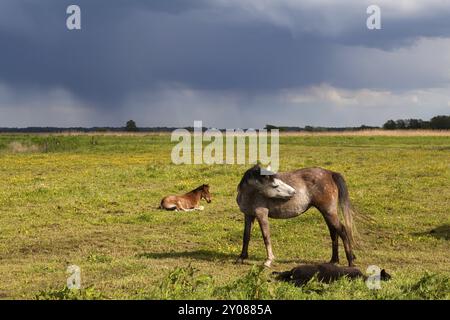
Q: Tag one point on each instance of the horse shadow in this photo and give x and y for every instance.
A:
(209, 255)
(441, 232)
(206, 255)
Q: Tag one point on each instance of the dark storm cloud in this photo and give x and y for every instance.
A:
(126, 48)
(135, 47)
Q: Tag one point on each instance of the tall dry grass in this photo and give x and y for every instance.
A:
(368, 133)
(376, 132)
(18, 147)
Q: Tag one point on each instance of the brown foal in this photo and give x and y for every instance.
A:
(188, 201)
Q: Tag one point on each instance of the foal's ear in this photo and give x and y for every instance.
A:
(384, 275)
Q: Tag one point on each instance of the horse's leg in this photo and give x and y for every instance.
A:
(180, 206)
(246, 238)
(332, 219)
(262, 214)
(334, 243)
(330, 214)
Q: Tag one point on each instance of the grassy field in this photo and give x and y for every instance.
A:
(91, 200)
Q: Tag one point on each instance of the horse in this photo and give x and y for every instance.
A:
(188, 201)
(289, 194)
(325, 272)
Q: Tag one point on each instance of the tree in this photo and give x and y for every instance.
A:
(440, 122)
(415, 124)
(390, 125)
(400, 124)
(131, 126)
(425, 125)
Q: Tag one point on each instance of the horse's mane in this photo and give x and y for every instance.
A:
(198, 188)
(252, 173)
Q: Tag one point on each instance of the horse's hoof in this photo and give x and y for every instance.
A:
(239, 261)
(334, 262)
(268, 263)
(201, 208)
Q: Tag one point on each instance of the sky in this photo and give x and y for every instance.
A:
(229, 63)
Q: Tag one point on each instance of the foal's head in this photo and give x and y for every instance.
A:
(205, 193)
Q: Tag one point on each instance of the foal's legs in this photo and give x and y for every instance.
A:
(262, 215)
(246, 239)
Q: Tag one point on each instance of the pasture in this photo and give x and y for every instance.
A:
(91, 200)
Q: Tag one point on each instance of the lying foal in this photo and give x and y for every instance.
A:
(326, 272)
(187, 202)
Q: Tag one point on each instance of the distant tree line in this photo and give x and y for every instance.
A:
(436, 123)
(82, 129)
(318, 129)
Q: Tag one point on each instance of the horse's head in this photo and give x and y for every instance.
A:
(205, 193)
(266, 184)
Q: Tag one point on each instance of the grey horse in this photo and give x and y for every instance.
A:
(287, 195)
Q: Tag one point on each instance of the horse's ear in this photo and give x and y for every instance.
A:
(267, 171)
(255, 170)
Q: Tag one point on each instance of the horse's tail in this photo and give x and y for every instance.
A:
(346, 206)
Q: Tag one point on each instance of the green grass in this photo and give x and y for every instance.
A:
(91, 201)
